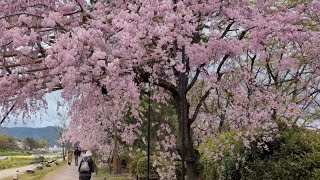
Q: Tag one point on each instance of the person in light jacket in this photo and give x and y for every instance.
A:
(16, 175)
(69, 157)
(93, 168)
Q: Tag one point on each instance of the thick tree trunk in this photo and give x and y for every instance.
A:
(191, 155)
(116, 165)
(192, 171)
(188, 153)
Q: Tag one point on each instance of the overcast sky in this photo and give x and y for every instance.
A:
(44, 117)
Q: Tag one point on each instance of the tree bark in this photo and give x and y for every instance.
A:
(191, 155)
(186, 148)
(63, 152)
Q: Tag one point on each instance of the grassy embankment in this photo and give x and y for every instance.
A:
(13, 162)
(39, 174)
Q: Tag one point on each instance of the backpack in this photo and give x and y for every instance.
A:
(84, 166)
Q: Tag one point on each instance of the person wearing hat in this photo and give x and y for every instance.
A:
(87, 167)
(69, 157)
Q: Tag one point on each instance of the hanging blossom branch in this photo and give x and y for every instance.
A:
(225, 57)
(205, 96)
(7, 113)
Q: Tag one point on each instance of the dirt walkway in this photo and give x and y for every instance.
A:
(10, 172)
(65, 172)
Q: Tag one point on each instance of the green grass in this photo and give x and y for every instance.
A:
(104, 172)
(20, 153)
(15, 162)
(14, 153)
(39, 174)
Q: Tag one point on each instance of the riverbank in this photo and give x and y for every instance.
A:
(39, 174)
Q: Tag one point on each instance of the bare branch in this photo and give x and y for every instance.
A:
(271, 74)
(195, 78)
(6, 44)
(225, 57)
(112, 34)
(167, 86)
(243, 33)
(72, 13)
(81, 8)
(22, 13)
(7, 114)
(38, 61)
(143, 77)
(203, 98)
(227, 30)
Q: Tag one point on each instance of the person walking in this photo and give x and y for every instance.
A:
(87, 167)
(69, 157)
(16, 175)
(76, 155)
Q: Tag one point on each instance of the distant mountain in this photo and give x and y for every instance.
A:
(49, 133)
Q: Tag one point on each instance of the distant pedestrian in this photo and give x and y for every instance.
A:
(69, 157)
(16, 175)
(87, 167)
(76, 154)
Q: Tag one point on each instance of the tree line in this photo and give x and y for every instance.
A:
(11, 143)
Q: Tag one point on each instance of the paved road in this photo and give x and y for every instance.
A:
(10, 172)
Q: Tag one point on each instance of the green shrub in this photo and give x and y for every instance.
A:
(142, 168)
(133, 163)
(294, 155)
(225, 163)
(138, 166)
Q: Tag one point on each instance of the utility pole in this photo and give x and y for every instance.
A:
(149, 123)
(149, 129)
(183, 118)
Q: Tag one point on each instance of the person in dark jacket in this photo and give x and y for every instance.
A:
(93, 168)
(76, 155)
